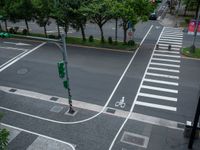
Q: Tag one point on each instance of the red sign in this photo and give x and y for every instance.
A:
(191, 27)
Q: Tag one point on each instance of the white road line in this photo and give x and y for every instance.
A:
(162, 75)
(166, 48)
(172, 40)
(173, 99)
(162, 44)
(172, 33)
(11, 60)
(161, 82)
(134, 101)
(163, 55)
(169, 42)
(18, 57)
(41, 135)
(159, 89)
(156, 106)
(164, 51)
(172, 36)
(13, 48)
(168, 60)
(164, 69)
(162, 64)
(106, 104)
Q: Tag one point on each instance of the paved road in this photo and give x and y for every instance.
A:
(32, 95)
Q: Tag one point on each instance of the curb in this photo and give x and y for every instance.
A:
(100, 48)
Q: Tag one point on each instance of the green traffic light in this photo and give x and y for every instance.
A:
(61, 69)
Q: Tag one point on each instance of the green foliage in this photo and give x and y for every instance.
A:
(110, 41)
(131, 43)
(24, 31)
(91, 38)
(3, 137)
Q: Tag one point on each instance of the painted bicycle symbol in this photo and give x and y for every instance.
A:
(121, 103)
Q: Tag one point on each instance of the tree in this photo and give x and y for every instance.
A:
(4, 11)
(22, 9)
(3, 137)
(42, 12)
(78, 19)
(133, 11)
(98, 12)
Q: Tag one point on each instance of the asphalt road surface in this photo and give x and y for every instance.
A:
(123, 100)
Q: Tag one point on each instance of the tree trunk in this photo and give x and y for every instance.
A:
(6, 25)
(27, 27)
(83, 32)
(125, 35)
(58, 27)
(45, 31)
(186, 8)
(102, 36)
(0, 27)
(116, 29)
(197, 9)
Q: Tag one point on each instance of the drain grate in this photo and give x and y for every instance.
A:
(135, 139)
(54, 98)
(110, 110)
(12, 90)
(56, 109)
(182, 126)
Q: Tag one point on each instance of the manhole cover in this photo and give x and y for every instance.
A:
(135, 139)
(56, 109)
(110, 110)
(22, 71)
(54, 98)
(12, 90)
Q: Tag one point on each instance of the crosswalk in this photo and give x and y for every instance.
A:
(159, 87)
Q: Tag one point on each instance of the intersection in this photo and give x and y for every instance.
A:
(159, 87)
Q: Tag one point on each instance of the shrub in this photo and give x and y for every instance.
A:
(52, 36)
(131, 43)
(11, 30)
(110, 41)
(16, 29)
(24, 31)
(91, 38)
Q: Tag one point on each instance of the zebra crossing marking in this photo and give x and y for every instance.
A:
(163, 64)
(156, 106)
(159, 89)
(162, 75)
(161, 82)
(160, 97)
(164, 69)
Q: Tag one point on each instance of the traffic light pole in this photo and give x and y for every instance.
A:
(63, 36)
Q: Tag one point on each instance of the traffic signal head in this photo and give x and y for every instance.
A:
(61, 69)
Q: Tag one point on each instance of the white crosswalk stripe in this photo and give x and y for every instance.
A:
(160, 84)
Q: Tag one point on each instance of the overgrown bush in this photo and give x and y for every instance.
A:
(11, 30)
(110, 41)
(91, 38)
(131, 43)
(24, 31)
(3, 137)
(16, 29)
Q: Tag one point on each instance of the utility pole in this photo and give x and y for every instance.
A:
(194, 127)
(63, 36)
(192, 49)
